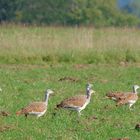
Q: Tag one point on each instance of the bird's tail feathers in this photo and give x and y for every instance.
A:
(59, 106)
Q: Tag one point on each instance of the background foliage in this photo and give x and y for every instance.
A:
(61, 12)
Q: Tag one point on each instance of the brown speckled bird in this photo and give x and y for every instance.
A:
(125, 98)
(36, 108)
(79, 102)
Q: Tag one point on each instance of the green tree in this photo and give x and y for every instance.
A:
(7, 8)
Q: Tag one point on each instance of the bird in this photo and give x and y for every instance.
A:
(36, 108)
(79, 102)
(125, 98)
(120, 139)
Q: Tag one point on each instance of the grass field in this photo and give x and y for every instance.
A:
(33, 59)
(101, 120)
(38, 45)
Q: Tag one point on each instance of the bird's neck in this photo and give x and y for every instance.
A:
(46, 98)
(88, 94)
(134, 90)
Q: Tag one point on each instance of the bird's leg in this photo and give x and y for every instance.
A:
(130, 105)
(26, 115)
(79, 113)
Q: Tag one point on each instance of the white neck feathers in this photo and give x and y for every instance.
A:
(88, 93)
(46, 98)
(135, 89)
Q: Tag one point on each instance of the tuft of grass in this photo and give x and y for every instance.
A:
(131, 56)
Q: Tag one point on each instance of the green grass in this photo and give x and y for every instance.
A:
(33, 59)
(35, 45)
(22, 84)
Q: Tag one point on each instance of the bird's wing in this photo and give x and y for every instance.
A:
(128, 96)
(115, 95)
(120, 95)
(34, 107)
(76, 101)
(125, 99)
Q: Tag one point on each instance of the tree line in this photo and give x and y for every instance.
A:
(66, 12)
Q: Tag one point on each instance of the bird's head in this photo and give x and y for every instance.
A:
(49, 92)
(89, 86)
(89, 90)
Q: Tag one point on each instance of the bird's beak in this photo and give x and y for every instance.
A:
(52, 94)
(91, 85)
(94, 91)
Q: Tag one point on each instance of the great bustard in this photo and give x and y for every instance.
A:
(79, 102)
(36, 108)
(125, 98)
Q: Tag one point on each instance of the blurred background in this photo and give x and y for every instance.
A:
(101, 13)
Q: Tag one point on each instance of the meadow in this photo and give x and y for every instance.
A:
(33, 59)
(39, 45)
